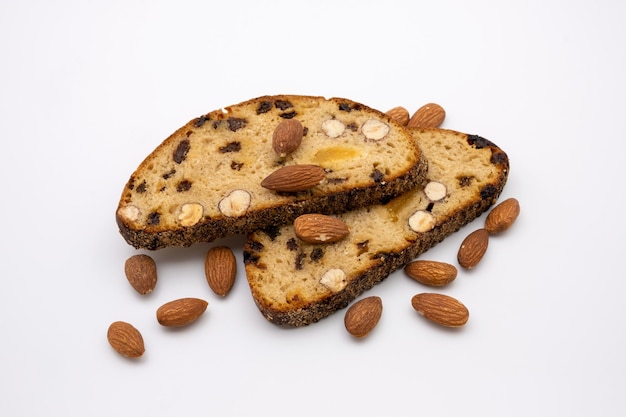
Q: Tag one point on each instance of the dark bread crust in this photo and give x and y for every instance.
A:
(209, 228)
(385, 262)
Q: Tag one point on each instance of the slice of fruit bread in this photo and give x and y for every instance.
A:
(262, 163)
(296, 283)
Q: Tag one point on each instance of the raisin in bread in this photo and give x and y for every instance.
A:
(204, 182)
(298, 283)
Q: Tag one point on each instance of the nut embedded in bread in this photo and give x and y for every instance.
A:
(297, 283)
(206, 180)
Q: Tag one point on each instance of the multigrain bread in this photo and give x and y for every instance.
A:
(204, 182)
(297, 283)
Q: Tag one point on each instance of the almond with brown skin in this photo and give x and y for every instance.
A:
(141, 272)
(429, 115)
(287, 137)
(441, 309)
(319, 228)
(399, 114)
(473, 248)
(502, 216)
(294, 178)
(433, 273)
(125, 339)
(181, 312)
(220, 268)
(363, 316)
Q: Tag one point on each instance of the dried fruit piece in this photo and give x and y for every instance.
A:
(294, 178)
(141, 272)
(235, 204)
(220, 268)
(473, 248)
(287, 137)
(429, 115)
(125, 339)
(319, 228)
(363, 316)
(433, 273)
(441, 309)
(399, 114)
(502, 216)
(181, 312)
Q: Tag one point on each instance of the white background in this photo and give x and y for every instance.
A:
(89, 88)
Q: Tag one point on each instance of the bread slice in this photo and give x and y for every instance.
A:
(297, 283)
(204, 181)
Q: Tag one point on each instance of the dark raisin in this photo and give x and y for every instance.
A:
(255, 246)
(235, 123)
(231, 147)
(299, 258)
(499, 157)
(292, 244)
(249, 258)
(282, 104)
(272, 232)
(317, 254)
(181, 151)
(200, 121)
(141, 188)
(264, 107)
(217, 124)
(352, 126)
(465, 181)
(236, 165)
(289, 115)
(478, 141)
(345, 107)
(169, 174)
(377, 176)
(430, 206)
(154, 218)
(488, 192)
(184, 185)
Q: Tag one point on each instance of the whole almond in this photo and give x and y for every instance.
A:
(441, 309)
(319, 228)
(294, 178)
(287, 137)
(429, 115)
(473, 248)
(433, 273)
(220, 268)
(181, 312)
(399, 114)
(141, 273)
(125, 339)
(502, 216)
(363, 316)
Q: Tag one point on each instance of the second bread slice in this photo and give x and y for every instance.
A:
(297, 283)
